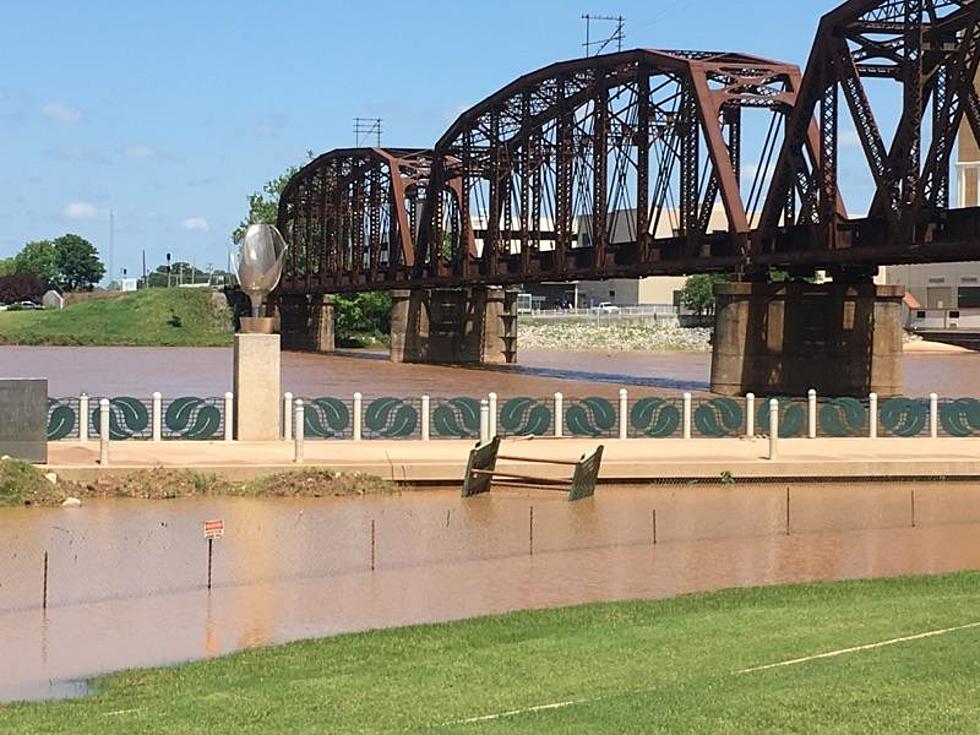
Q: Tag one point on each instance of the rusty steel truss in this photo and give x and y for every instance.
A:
(660, 162)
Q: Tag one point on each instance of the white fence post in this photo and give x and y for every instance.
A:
(358, 398)
(624, 419)
(492, 407)
(750, 415)
(933, 415)
(811, 414)
(425, 418)
(229, 416)
(773, 428)
(687, 416)
(104, 431)
(559, 414)
(83, 417)
(287, 415)
(157, 415)
(300, 432)
(873, 416)
(484, 421)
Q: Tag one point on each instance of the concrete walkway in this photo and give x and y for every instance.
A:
(624, 460)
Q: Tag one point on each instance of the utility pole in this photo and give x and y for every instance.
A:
(112, 227)
(364, 127)
(617, 36)
(145, 281)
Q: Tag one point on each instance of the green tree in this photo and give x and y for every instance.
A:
(698, 293)
(263, 206)
(79, 267)
(40, 258)
(8, 266)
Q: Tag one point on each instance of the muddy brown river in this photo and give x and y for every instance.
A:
(126, 579)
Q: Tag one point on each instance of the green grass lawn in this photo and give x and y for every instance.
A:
(657, 667)
(170, 317)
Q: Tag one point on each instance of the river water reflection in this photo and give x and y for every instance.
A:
(127, 578)
(176, 371)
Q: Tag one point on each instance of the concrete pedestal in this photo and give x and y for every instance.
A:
(307, 323)
(24, 419)
(464, 326)
(258, 387)
(786, 338)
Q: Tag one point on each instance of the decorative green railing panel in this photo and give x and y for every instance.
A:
(190, 417)
(455, 417)
(62, 418)
(719, 417)
(591, 417)
(903, 417)
(792, 417)
(129, 418)
(960, 417)
(655, 417)
(842, 417)
(525, 417)
(391, 418)
(327, 418)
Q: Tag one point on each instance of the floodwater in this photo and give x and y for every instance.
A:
(175, 371)
(127, 579)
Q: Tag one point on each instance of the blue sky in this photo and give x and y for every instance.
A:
(169, 114)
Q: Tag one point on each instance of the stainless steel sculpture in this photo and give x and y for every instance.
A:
(260, 260)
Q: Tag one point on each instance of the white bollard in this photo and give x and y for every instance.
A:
(358, 398)
(559, 415)
(104, 431)
(157, 416)
(750, 415)
(426, 401)
(773, 428)
(624, 419)
(492, 407)
(484, 421)
(811, 414)
(687, 416)
(873, 416)
(933, 415)
(300, 433)
(83, 417)
(229, 416)
(287, 415)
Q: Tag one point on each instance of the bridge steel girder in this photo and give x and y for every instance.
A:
(931, 48)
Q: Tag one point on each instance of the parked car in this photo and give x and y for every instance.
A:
(607, 307)
(28, 305)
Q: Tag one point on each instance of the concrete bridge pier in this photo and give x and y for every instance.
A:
(841, 339)
(465, 326)
(307, 322)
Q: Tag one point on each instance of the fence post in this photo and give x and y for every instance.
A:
(750, 415)
(811, 414)
(873, 416)
(104, 432)
(287, 415)
(300, 432)
(933, 415)
(357, 416)
(559, 414)
(687, 416)
(484, 421)
(229, 416)
(624, 419)
(83, 417)
(157, 415)
(425, 418)
(492, 404)
(773, 428)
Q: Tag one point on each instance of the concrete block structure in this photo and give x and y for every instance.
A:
(258, 387)
(307, 322)
(24, 418)
(786, 338)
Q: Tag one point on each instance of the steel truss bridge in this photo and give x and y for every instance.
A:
(664, 163)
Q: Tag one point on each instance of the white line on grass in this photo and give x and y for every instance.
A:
(778, 664)
(853, 649)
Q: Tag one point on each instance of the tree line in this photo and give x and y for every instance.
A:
(67, 263)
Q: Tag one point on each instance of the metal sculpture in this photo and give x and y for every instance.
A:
(260, 263)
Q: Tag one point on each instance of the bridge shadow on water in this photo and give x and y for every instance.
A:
(587, 376)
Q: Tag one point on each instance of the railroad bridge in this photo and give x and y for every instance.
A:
(648, 162)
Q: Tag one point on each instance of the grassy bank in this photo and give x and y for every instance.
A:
(611, 336)
(657, 667)
(22, 484)
(168, 317)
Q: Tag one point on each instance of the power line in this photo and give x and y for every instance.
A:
(617, 36)
(364, 127)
